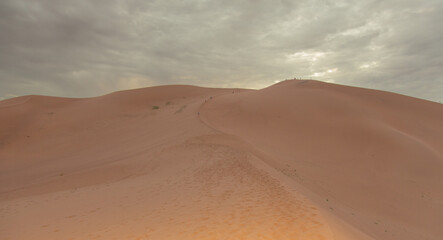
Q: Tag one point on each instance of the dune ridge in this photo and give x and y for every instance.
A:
(366, 151)
(296, 160)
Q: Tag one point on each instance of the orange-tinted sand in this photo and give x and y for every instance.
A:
(297, 160)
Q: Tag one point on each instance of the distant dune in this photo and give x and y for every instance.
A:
(297, 160)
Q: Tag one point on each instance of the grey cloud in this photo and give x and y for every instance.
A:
(87, 48)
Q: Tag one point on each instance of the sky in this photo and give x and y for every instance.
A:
(87, 48)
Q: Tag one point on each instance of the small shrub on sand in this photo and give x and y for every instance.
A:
(155, 107)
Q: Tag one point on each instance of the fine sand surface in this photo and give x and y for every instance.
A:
(297, 160)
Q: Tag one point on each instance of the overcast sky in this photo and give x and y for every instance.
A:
(87, 48)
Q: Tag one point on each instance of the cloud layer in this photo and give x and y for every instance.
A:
(87, 48)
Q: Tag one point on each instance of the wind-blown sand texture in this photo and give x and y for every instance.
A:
(297, 160)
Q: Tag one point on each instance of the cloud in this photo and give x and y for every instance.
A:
(87, 48)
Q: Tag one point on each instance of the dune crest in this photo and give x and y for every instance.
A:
(297, 160)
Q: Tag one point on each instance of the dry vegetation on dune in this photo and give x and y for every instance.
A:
(297, 160)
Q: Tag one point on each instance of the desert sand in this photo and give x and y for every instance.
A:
(297, 160)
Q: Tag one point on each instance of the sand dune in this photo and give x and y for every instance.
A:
(297, 160)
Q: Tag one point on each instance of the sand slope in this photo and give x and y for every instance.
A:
(297, 160)
(373, 158)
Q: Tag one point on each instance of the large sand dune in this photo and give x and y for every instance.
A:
(297, 160)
